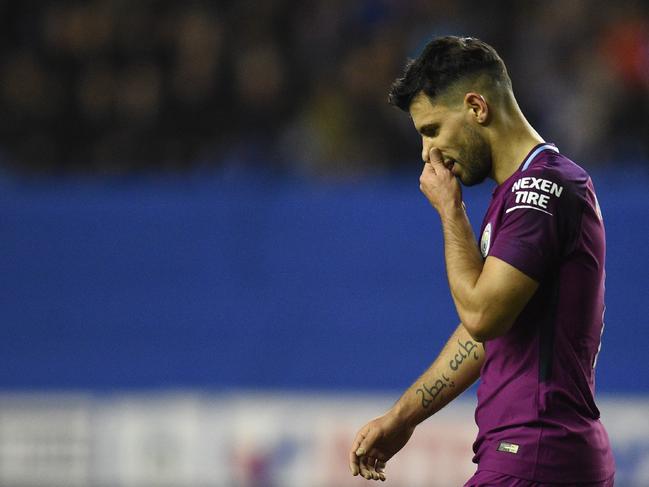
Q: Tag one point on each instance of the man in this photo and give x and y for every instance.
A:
(530, 296)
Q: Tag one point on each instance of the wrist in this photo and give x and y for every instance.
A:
(403, 416)
(452, 210)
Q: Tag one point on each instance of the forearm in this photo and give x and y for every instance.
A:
(455, 369)
(488, 295)
(464, 265)
(463, 259)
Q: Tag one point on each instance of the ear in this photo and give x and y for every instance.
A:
(478, 107)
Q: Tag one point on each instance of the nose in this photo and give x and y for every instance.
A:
(425, 149)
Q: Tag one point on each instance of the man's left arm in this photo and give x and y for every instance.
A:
(488, 295)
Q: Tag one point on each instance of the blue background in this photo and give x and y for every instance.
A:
(249, 280)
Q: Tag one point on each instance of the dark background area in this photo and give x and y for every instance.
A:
(116, 86)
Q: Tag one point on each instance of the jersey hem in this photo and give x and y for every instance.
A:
(557, 474)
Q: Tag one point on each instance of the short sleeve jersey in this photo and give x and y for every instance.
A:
(536, 412)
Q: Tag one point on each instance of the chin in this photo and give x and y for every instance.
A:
(468, 180)
(474, 174)
(471, 180)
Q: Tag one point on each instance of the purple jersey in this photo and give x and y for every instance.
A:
(536, 413)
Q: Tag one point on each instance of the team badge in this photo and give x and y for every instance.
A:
(485, 241)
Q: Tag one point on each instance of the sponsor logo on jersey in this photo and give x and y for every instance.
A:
(485, 241)
(534, 193)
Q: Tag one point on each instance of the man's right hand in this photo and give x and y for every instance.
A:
(376, 443)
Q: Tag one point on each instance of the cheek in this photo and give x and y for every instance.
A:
(455, 141)
(457, 150)
(467, 146)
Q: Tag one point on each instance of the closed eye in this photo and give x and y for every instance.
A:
(429, 130)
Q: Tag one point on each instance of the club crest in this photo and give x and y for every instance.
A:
(485, 241)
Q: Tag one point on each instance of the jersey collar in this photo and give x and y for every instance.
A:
(535, 152)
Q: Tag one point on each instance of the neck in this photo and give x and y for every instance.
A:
(513, 139)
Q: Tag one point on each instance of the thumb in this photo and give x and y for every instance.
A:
(367, 443)
(435, 157)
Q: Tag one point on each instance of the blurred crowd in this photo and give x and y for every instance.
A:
(121, 86)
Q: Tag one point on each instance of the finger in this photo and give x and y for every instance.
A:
(353, 462)
(428, 167)
(371, 463)
(379, 463)
(367, 468)
(379, 466)
(365, 471)
(353, 457)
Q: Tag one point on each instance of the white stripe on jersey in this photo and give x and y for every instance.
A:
(526, 206)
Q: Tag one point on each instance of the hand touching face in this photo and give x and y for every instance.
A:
(439, 184)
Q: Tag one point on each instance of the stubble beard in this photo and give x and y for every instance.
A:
(475, 158)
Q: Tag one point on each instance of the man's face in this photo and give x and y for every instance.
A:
(450, 128)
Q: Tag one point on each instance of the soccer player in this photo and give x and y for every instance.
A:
(529, 295)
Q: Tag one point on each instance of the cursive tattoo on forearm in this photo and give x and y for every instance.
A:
(429, 393)
(464, 352)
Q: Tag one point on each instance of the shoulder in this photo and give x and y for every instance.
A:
(559, 169)
(550, 180)
(552, 184)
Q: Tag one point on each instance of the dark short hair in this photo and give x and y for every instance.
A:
(443, 62)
